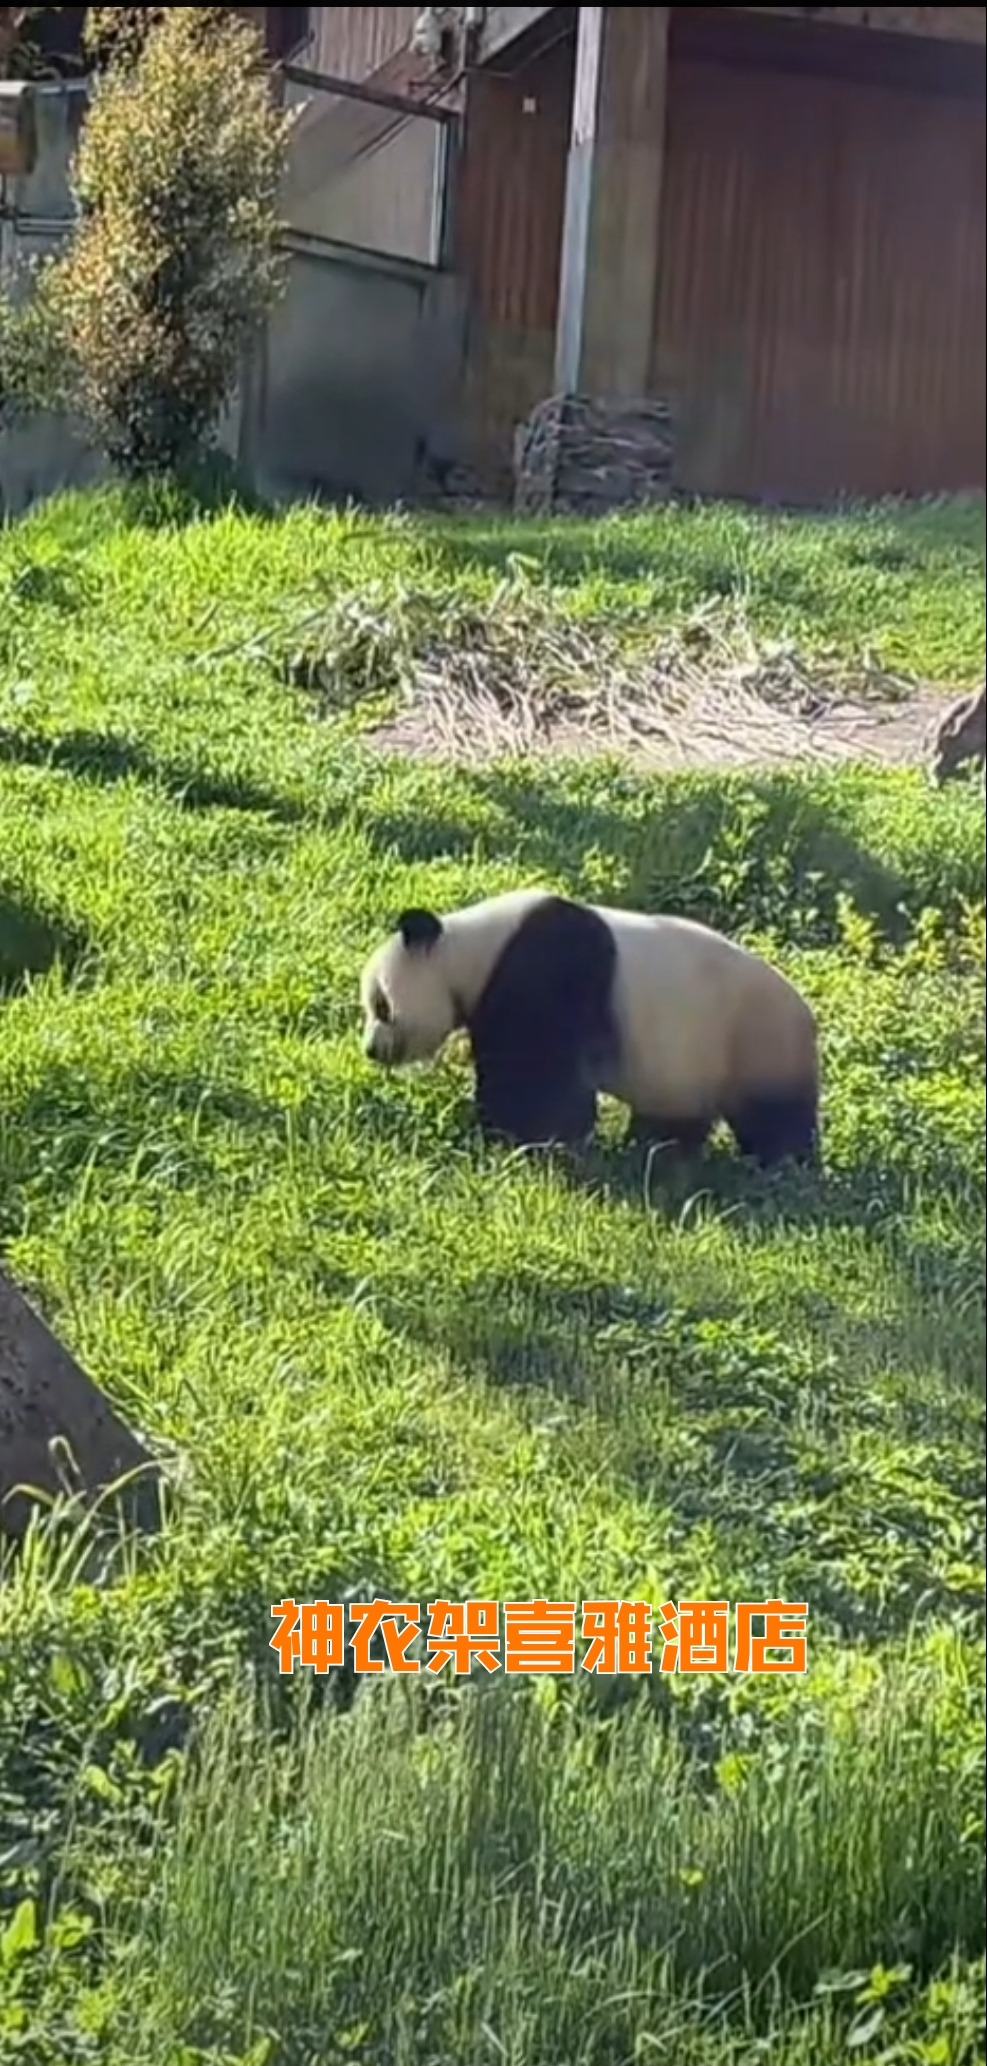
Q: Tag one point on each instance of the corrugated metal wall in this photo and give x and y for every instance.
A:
(511, 191)
(822, 284)
(510, 198)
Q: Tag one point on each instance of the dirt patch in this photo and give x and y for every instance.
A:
(708, 735)
(470, 683)
(704, 696)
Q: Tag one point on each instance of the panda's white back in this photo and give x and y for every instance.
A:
(698, 1013)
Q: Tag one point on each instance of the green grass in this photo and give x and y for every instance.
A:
(385, 1361)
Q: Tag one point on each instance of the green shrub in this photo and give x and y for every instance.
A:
(174, 259)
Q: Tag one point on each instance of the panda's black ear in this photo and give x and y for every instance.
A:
(419, 930)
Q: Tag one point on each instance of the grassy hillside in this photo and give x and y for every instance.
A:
(388, 1363)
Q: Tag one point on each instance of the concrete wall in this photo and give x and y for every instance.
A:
(357, 377)
(361, 175)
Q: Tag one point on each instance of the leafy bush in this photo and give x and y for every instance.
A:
(34, 369)
(174, 259)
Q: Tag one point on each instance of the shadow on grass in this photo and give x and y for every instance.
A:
(747, 1421)
(525, 1334)
(929, 531)
(139, 1119)
(208, 488)
(522, 1329)
(64, 586)
(101, 757)
(33, 942)
(700, 568)
(878, 1194)
(876, 1199)
(896, 537)
(569, 548)
(738, 850)
(145, 1117)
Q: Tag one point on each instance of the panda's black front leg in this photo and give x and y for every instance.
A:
(543, 1027)
(528, 1110)
(531, 1106)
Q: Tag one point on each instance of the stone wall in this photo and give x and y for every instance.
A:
(583, 454)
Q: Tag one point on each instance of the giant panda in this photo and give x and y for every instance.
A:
(563, 1000)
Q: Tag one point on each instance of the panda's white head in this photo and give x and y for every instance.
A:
(424, 982)
(406, 992)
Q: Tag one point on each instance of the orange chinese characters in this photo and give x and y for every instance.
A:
(539, 1635)
(312, 1635)
(456, 1634)
(285, 1639)
(385, 1615)
(619, 1636)
(696, 1635)
(668, 1629)
(784, 1629)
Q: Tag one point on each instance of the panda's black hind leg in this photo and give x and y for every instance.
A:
(776, 1128)
(683, 1136)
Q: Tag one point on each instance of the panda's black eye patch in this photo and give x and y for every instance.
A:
(382, 1008)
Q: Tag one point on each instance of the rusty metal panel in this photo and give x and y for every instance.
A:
(511, 189)
(353, 42)
(820, 315)
(18, 129)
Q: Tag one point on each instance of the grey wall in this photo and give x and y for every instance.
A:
(360, 174)
(356, 375)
